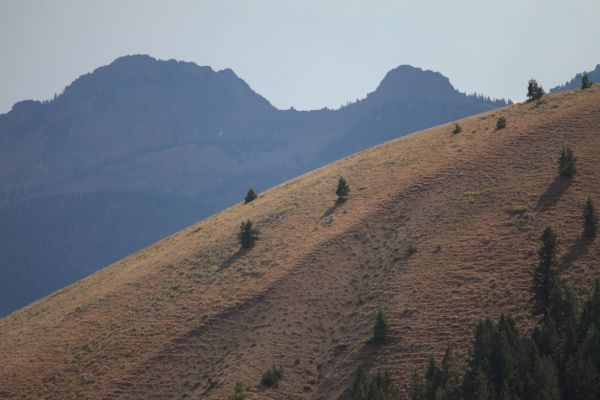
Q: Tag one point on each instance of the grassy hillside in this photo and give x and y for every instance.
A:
(192, 315)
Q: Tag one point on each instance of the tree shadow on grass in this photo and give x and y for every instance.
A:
(233, 258)
(577, 250)
(332, 209)
(553, 193)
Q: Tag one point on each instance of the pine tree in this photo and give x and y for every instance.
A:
(457, 128)
(342, 190)
(534, 91)
(586, 83)
(590, 314)
(247, 234)
(543, 384)
(417, 387)
(250, 196)
(239, 392)
(590, 219)
(359, 387)
(380, 329)
(272, 376)
(450, 375)
(378, 386)
(545, 275)
(500, 123)
(566, 162)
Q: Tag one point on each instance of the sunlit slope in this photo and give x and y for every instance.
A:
(191, 315)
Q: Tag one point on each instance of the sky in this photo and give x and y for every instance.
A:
(303, 54)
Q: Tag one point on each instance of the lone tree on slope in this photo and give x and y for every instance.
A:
(247, 234)
(590, 219)
(500, 123)
(545, 276)
(342, 190)
(534, 91)
(566, 162)
(586, 83)
(250, 196)
(380, 329)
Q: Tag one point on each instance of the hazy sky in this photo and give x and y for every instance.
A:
(305, 54)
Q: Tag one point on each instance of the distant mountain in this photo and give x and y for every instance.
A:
(576, 81)
(407, 99)
(140, 148)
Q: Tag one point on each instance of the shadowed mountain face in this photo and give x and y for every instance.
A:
(141, 148)
(576, 81)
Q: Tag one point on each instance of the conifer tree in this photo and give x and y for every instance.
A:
(457, 128)
(380, 329)
(250, 196)
(545, 275)
(247, 234)
(500, 123)
(342, 190)
(590, 219)
(239, 392)
(534, 91)
(360, 382)
(566, 162)
(417, 387)
(586, 83)
(543, 384)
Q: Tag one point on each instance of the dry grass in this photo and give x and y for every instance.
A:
(190, 316)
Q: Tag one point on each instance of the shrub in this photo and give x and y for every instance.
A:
(590, 219)
(342, 190)
(500, 123)
(410, 250)
(534, 91)
(586, 83)
(380, 329)
(247, 234)
(272, 376)
(239, 392)
(250, 196)
(457, 128)
(566, 162)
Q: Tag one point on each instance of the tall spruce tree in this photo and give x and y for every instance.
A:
(247, 234)
(586, 83)
(380, 329)
(250, 196)
(590, 219)
(545, 274)
(566, 162)
(534, 91)
(342, 190)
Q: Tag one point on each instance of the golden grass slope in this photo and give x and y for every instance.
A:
(190, 316)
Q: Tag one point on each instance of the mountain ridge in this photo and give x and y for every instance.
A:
(140, 132)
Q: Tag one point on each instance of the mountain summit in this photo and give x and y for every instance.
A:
(406, 82)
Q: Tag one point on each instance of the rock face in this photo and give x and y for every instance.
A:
(141, 148)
